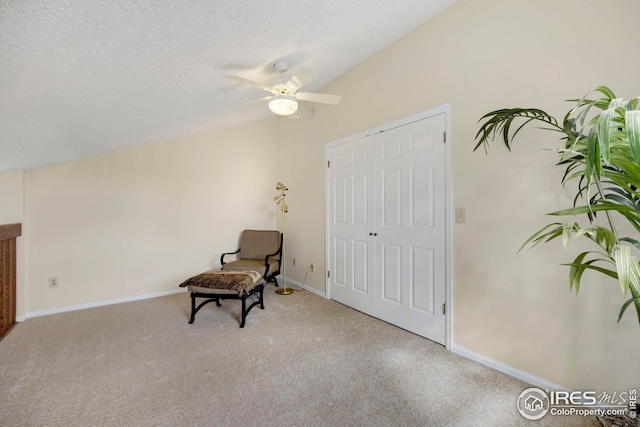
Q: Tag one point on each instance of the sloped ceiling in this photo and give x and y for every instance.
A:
(82, 77)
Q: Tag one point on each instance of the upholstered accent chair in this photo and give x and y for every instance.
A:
(260, 250)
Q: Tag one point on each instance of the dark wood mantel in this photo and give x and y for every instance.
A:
(9, 231)
(8, 235)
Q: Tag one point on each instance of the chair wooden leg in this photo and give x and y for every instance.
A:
(262, 299)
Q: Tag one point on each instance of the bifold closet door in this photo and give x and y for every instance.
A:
(409, 267)
(351, 224)
(387, 226)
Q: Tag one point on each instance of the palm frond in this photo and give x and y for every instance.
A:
(498, 124)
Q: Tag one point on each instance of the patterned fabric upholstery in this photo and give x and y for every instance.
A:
(229, 282)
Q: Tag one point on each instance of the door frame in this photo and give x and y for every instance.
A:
(449, 215)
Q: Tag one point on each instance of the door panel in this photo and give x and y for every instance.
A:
(361, 266)
(351, 178)
(391, 196)
(361, 183)
(340, 205)
(422, 280)
(417, 191)
(340, 263)
(422, 192)
(391, 273)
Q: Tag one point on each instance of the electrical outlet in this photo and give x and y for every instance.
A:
(311, 268)
(460, 216)
(53, 282)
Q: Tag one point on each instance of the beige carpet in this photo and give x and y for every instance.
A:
(303, 361)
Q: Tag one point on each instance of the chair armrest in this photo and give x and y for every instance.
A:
(266, 259)
(278, 252)
(227, 253)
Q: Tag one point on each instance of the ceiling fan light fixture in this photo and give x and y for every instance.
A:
(283, 105)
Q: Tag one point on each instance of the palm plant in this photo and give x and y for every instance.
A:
(601, 154)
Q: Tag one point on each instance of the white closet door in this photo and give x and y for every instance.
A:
(387, 225)
(409, 267)
(351, 222)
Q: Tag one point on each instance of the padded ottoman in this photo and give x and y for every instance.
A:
(221, 284)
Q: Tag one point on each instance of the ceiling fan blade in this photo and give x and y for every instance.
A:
(319, 97)
(249, 82)
(266, 98)
(302, 77)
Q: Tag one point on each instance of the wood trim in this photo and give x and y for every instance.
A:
(8, 255)
(10, 231)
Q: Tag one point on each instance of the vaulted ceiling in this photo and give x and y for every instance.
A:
(82, 77)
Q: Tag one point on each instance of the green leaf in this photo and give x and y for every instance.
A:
(594, 165)
(576, 270)
(602, 270)
(608, 93)
(600, 235)
(604, 206)
(631, 215)
(632, 121)
(626, 201)
(606, 126)
(567, 231)
(622, 256)
(627, 267)
(540, 235)
(626, 304)
(634, 242)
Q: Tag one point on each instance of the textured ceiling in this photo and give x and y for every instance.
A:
(81, 77)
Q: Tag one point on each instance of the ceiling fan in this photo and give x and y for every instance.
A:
(284, 97)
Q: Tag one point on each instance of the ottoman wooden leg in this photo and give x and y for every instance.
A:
(212, 296)
(195, 309)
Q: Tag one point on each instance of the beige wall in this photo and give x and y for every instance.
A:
(139, 221)
(11, 196)
(480, 56)
(11, 212)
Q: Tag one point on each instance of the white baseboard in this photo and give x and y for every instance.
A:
(137, 298)
(528, 378)
(305, 287)
(98, 304)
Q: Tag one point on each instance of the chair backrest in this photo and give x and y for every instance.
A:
(257, 244)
